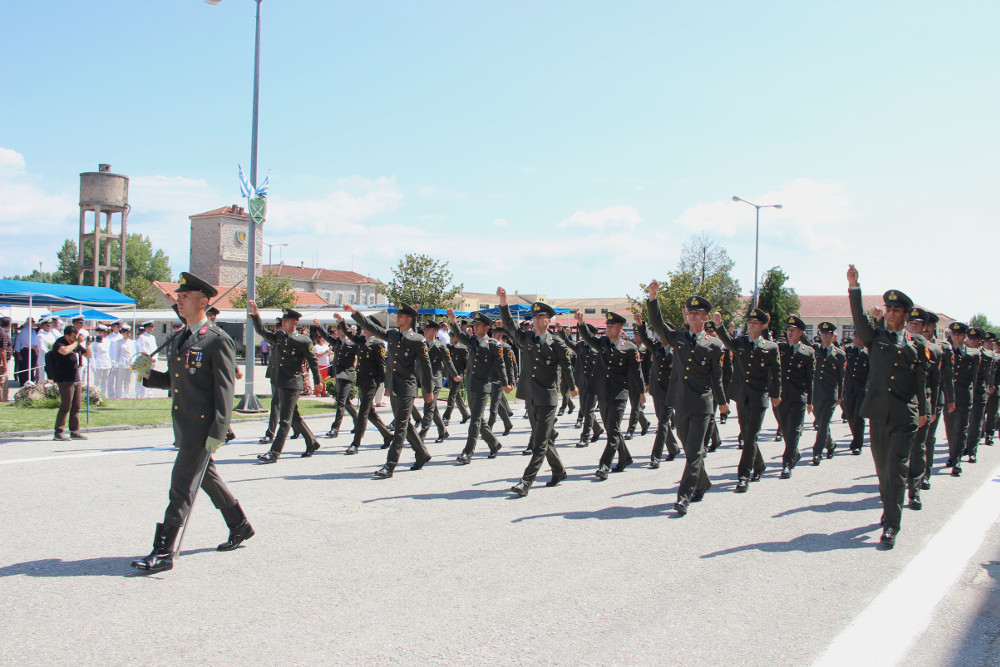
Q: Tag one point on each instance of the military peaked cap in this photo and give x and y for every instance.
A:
(482, 319)
(698, 303)
(213, 311)
(759, 315)
(710, 326)
(539, 308)
(794, 321)
(827, 327)
(975, 332)
(431, 324)
(290, 314)
(917, 315)
(989, 335)
(932, 317)
(896, 298)
(188, 282)
(614, 318)
(959, 327)
(406, 309)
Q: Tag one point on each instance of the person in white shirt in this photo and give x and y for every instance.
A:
(123, 361)
(145, 344)
(114, 340)
(43, 344)
(100, 368)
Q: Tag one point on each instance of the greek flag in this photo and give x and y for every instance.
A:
(244, 183)
(261, 190)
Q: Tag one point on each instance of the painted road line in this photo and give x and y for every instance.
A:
(904, 609)
(86, 455)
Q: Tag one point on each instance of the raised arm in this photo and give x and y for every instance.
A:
(664, 330)
(463, 337)
(585, 334)
(515, 333)
(723, 332)
(863, 329)
(367, 323)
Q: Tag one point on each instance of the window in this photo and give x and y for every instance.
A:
(371, 299)
(848, 332)
(589, 311)
(809, 332)
(340, 299)
(484, 306)
(603, 311)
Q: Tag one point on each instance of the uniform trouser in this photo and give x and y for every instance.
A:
(751, 417)
(455, 398)
(344, 403)
(366, 413)
(272, 418)
(588, 402)
(184, 477)
(664, 434)
(543, 447)
(790, 415)
(891, 451)
(712, 432)
(922, 453)
(477, 425)
(69, 404)
(567, 400)
(500, 406)
(289, 418)
(123, 382)
(976, 418)
(612, 412)
(823, 412)
(956, 425)
(99, 377)
(852, 409)
(431, 413)
(691, 430)
(638, 414)
(992, 404)
(402, 406)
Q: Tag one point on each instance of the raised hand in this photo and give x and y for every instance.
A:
(654, 287)
(252, 308)
(579, 317)
(451, 315)
(502, 295)
(717, 318)
(852, 276)
(348, 308)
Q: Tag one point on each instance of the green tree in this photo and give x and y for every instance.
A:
(980, 321)
(143, 265)
(36, 276)
(421, 280)
(68, 267)
(272, 291)
(776, 299)
(705, 269)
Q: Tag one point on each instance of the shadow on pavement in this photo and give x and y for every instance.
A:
(870, 503)
(111, 566)
(605, 514)
(467, 494)
(846, 490)
(854, 538)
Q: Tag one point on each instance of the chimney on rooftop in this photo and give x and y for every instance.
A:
(302, 265)
(104, 167)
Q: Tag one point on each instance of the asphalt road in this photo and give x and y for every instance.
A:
(445, 566)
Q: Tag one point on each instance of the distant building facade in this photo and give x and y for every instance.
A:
(336, 287)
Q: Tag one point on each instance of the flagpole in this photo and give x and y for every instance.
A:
(249, 402)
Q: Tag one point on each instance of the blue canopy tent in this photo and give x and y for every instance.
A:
(88, 314)
(442, 311)
(519, 311)
(51, 295)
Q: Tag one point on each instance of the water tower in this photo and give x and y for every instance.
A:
(102, 193)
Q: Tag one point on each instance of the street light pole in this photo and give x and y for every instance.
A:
(756, 243)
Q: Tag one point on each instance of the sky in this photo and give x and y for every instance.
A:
(568, 148)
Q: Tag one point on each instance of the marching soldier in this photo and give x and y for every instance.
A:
(291, 349)
(944, 402)
(896, 402)
(587, 384)
(201, 371)
(992, 403)
(541, 354)
(696, 379)
(757, 375)
(459, 359)
(370, 374)
(918, 468)
(798, 361)
(344, 357)
(966, 369)
(441, 366)
(487, 367)
(982, 390)
(658, 383)
(828, 389)
(272, 420)
(407, 357)
(854, 391)
(712, 438)
(621, 367)
(498, 400)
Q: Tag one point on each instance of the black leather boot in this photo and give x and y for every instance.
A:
(161, 558)
(239, 528)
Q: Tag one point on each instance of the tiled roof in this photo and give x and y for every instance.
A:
(838, 306)
(311, 274)
(233, 210)
(301, 298)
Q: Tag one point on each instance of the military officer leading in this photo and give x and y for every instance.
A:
(200, 377)
(896, 403)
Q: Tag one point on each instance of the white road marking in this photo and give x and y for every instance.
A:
(904, 609)
(86, 455)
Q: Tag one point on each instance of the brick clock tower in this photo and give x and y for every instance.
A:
(219, 245)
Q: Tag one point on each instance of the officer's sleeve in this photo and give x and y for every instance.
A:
(775, 379)
(157, 380)
(635, 379)
(923, 361)
(643, 336)
(449, 366)
(588, 337)
(811, 377)
(224, 369)
(332, 340)
(718, 391)
(726, 338)
(261, 331)
(460, 335)
(370, 325)
(515, 333)
(664, 330)
(933, 382)
(425, 374)
(863, 330)
(500, 363)
(313, 365)
(510, 362)
(841, 359)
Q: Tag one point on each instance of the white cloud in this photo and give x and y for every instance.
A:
(621, 217)
(11, 162)
(340, 213)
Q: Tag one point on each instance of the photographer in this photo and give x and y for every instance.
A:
(69, 351)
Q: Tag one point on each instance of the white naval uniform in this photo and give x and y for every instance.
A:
(145, 344)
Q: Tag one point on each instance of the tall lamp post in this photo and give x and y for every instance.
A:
(756, 243)
(249, 402)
